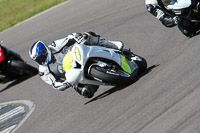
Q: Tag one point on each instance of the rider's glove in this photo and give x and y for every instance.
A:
(63, 87)
(176, 20)
(79, 38)
(159, 14)
(150, 8)
(67, 85)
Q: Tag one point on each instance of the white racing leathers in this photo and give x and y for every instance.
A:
(53, 74)
(154, 8)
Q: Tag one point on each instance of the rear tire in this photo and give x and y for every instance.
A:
(24, 68)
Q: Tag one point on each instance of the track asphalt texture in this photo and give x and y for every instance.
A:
(163, 100)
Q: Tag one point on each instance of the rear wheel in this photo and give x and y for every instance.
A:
(115, 76)
(24, 68)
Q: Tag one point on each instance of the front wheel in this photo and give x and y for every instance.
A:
(141, 62)
(114, 76)
(189, 28)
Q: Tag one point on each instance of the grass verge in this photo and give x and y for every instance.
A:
(15, 11)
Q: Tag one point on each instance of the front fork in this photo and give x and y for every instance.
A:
(99, 63)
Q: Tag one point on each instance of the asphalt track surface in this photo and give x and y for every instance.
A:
(165, 99)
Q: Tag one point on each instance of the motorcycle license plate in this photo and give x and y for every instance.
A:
(1, 55)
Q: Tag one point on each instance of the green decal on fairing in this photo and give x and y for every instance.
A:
(125, 65)
(67, 60)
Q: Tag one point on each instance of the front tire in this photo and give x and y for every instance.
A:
(111, 76)
(142, 64)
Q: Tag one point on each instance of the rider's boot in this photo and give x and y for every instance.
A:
(94, 39)
(82, 91)
(86, 91)
(127, 53)
(111, 44)
(183, 29)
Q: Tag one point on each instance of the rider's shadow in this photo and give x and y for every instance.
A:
(120, 87)
(16, 81)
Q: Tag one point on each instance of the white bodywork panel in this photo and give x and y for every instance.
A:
(180, 4)
(76, 75)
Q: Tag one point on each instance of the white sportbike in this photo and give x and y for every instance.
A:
(97, 65)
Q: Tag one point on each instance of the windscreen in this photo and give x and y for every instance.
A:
(176, 4)
(168, 2)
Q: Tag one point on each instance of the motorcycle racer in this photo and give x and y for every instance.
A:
(49, 58)
(160, 9)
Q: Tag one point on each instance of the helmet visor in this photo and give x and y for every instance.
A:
(41, 53)
(41, 59)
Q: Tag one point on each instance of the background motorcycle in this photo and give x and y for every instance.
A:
(12, 66)
(188, 18)
(95, 65)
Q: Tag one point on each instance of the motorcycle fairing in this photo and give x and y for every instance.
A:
(112, 54)
(72, 72)
(125, 65)
(180, 5)
(103, 52)
(67, 60)
(1, 55)
(80, 54)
